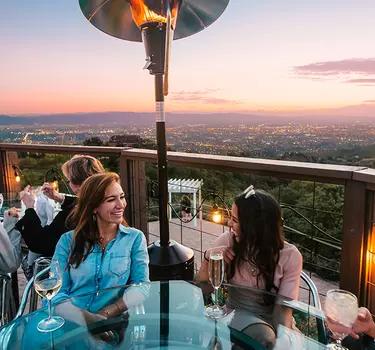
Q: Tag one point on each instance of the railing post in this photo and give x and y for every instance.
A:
(8, 184)
(355, 213)
(133, 181)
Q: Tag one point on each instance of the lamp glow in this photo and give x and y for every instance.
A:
(55, 185)
(18, 173)
(216, 215)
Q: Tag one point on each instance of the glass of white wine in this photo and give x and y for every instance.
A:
(341, 309)
(47, 283)
(216, 277)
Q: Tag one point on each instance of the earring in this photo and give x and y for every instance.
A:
(94, 218)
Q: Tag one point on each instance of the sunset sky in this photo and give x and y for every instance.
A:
(262, 56)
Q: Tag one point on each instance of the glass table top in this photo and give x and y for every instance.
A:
(171, 315)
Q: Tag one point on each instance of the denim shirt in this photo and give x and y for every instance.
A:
(124, 261)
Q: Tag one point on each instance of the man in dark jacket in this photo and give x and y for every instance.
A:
(43, 240)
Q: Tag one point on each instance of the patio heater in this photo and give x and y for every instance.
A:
(156, 23)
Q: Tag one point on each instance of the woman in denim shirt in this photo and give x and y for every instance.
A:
(100, 253)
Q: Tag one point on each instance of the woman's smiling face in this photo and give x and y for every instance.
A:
(111, 210)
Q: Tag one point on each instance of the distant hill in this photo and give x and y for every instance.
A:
(6, 120)
(173, 119)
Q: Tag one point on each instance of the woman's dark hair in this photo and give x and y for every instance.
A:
(261, 236)
(86, 233)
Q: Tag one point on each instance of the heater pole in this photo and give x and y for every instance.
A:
(162, 161)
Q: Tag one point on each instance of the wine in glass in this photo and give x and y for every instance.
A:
(47, 283)
(216, 277)
(341, 309)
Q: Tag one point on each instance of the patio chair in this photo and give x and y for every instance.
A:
(7, 303)
(313, 290)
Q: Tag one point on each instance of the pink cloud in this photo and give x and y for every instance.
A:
(361, 81)
(369, 101)
(349, 69)
(202, 97)
(205, 92)
(363, 66)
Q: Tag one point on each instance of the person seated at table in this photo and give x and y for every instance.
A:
(257, 256)
(10, 243)
(101, 252)
(43, 239)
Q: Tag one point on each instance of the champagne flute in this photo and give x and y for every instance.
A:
(216, 277)
(47, 283)
(341, 309)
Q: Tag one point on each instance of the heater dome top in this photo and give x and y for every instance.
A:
(114, 17)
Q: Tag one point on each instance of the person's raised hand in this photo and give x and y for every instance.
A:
(13, 213)
(51, 193)
(363, 324)
(28, 197)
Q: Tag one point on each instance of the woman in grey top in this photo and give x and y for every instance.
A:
(10, 243)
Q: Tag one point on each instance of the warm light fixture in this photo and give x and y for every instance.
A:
(216, 215)
(18, 173)
(55, 182)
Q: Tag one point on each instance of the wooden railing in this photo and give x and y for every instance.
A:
(356, 275)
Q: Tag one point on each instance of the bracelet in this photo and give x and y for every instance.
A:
(106, 311)
(118, 306)
(204, 254)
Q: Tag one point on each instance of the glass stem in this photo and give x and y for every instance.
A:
(49, 309)
(217, 297)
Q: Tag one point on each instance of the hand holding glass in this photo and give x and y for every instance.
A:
(341, 309)
(216, 276)
(47, 283)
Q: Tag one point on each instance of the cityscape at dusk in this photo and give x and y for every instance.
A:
(269, 58)
(341, 144)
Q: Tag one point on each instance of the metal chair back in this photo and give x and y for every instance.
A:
(7, 304)
(322, 331)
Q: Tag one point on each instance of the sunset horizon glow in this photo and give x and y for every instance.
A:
(292, 58)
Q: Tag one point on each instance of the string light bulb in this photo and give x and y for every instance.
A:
(18, 173)
(216, 215)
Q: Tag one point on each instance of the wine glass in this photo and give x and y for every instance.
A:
(47, 282)
(341, 309)
(216, 277)
(1, 200)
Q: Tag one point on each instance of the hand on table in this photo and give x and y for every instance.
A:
(107, 336)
